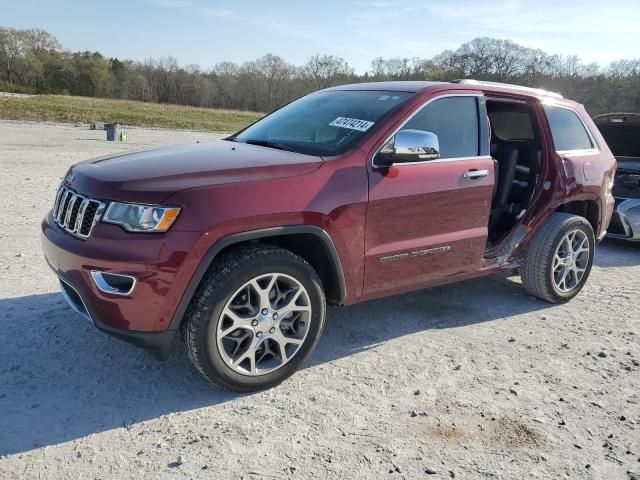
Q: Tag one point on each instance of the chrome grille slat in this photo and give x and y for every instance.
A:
(75, 213)
(57, 204)
(63, 202)
(68, 211)
(80, 216)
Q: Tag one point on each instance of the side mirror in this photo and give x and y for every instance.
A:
(409, 146)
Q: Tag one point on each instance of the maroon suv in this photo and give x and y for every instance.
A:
(347, 194)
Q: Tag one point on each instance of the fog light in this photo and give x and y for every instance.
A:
(113, 283)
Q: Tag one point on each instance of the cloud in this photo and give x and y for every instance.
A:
(406, 28)
(378, 14)
(171, 3)
(506, 18)
(255, 20)
(590, 28)
(317, 39)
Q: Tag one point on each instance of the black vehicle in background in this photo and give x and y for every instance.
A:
(622, 133)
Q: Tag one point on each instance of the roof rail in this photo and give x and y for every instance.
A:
(537, 91)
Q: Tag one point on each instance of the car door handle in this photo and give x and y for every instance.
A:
(476, 173)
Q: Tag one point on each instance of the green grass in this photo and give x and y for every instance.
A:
(60, 108)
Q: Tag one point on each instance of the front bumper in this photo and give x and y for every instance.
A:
(625, 221)
(157, 344)
(143, 316)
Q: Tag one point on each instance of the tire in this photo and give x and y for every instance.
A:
(542, 273)
(231, 298)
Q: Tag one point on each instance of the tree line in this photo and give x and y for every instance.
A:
(33, 61)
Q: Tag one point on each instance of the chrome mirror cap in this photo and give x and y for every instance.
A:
(409, 146)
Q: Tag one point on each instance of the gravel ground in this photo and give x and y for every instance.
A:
(473, 380)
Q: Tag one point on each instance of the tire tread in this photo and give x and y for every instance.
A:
(534, 273)
(194, 323)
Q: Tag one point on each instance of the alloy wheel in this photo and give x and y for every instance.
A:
(570, 261)
(264, 324)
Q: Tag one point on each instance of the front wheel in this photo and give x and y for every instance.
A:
(559, 258)
(256, 318)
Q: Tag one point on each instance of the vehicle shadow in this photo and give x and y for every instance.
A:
(363, 326)
(613, 252)
(60, 379)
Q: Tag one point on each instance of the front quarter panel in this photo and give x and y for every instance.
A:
(332, 198)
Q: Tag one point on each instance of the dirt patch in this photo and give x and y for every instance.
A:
(514, 433)
(502, 431)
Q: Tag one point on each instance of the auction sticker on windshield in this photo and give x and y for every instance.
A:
(352, 123)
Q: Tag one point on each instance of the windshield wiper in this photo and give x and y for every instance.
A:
(270, 144)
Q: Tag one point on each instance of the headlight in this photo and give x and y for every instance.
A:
(141, 218)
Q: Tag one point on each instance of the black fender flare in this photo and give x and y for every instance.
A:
(217, 247)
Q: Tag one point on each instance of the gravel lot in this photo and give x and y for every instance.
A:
(473, 380)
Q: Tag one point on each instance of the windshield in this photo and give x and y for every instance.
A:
(324, 123)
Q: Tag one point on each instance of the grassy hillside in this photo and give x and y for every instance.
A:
(59, 108)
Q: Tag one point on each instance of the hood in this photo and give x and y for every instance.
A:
(151, 176)
(621, 131)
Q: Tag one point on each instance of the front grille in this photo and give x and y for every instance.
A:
(76, 213)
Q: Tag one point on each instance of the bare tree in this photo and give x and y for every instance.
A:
(325, 70)
(33, 60)
(12, 49)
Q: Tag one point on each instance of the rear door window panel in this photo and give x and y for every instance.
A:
(567, 130)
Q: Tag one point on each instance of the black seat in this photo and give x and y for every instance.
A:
(507, 162)
(527, 172)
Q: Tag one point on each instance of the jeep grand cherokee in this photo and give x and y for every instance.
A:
(347, 194)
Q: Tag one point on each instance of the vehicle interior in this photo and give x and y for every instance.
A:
(517, 152)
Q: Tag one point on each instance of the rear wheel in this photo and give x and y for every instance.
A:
(256, 318)
(559, 259)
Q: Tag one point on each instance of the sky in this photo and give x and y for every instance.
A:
(206, 32)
